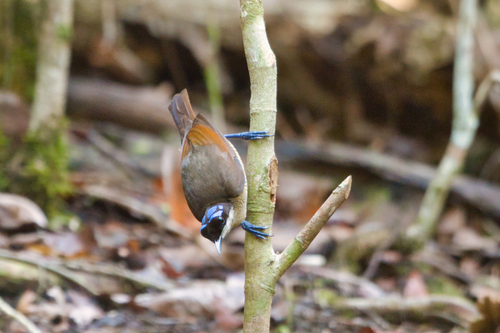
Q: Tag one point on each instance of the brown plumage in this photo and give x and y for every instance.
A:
(211, 171)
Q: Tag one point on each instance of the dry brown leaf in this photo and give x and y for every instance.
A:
(25, 301)
(415, 286)
(67, 244)
(387, 284)
(226, 319)
(18, 211)
(366, 330)
(470, 267)
(452, 221)
(111, 235)
(468, 239)
(196, 299)
(83, 310)
(490, 321)
(486, 286)
(169, 190)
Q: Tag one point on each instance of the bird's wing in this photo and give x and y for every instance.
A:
(203, 134)
(212, 171)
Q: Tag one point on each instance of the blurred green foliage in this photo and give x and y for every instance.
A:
(39, 168)
(19, 25)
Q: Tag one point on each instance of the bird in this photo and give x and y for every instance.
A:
(212, 173)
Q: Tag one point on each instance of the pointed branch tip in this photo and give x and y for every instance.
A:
(347, 182)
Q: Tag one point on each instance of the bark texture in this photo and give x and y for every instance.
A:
(53, 65)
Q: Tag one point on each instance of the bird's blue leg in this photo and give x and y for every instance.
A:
(253, 229)
(249, 135)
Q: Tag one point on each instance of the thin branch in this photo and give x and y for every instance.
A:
(430, 304)
(477, 192)
(68, 270)
(213, 77)
(118, 157)
(347, 282)
(151, 212)
(465, 123)
(50, 266)
(483, 90)
(22, 319)
(312, 228)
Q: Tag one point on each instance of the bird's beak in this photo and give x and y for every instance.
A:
(218, 244)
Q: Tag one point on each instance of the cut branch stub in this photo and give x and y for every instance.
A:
(313, 227)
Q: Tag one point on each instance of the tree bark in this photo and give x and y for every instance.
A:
(262, 167)
(53, 65)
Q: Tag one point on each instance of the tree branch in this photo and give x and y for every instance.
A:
(263, 267)
(465, 123)
(21, 318)
(261, 166)
(313, 227)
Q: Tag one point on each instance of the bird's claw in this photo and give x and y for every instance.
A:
(249, 135)
(253, 229)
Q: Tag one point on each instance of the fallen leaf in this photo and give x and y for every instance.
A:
(66, 244)
(415, 286)
(452, 221)
(468, 239)
(18, 211)
(83, 309)
(225, 317)
(172, 192)
(470, 267)
(490, 321)
(25, 301)
(196, 299)
(111, 235)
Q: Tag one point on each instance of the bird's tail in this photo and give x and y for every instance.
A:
(182, 112)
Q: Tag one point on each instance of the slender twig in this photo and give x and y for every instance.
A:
(119, 157)
(118, 272)
(465, 123)
(474, 191)
(429, 304)
(21, 318)
(151, 212)
(50, 266)
(68, 271)
(484, 88)
(361, 285)
(313, 227)
(213, 74)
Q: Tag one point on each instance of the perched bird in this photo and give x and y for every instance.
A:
(213, 177)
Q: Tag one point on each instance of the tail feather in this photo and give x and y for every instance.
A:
(182, 112)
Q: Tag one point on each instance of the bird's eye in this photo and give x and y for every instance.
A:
(217, 219)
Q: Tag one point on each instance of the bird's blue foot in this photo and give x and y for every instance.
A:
(253, 229)
(249, 135)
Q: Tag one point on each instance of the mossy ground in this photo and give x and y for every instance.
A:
(39, 168)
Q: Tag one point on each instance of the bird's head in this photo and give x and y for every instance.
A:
(217, 222)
